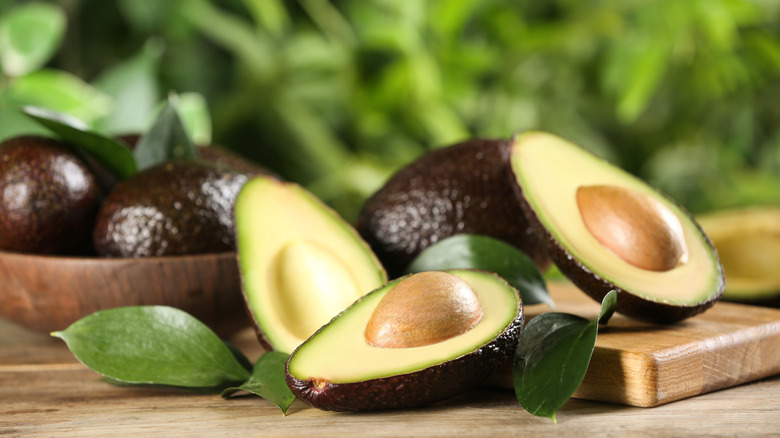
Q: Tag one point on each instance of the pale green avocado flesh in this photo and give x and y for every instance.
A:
(748, 243)
(300, 263)
(549, 171)
(339, 353)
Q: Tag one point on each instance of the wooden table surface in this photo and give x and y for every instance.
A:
(44, 391)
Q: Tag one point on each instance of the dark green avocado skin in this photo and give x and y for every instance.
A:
(175, 208)
(463, 188)
(48, 197)
(418, 388)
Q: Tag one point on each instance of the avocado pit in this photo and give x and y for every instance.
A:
(337, 369)
(637, 228)
(423, 309)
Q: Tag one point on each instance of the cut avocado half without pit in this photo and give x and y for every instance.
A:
(607, 229)
(300, 262)
(417, 340)
(748, 243)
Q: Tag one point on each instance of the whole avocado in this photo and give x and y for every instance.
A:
(463, 188)
(48, 197)
(174, 208)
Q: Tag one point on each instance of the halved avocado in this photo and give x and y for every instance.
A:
(300, 262)
(607, 229)
(341, 369)
(748, 243)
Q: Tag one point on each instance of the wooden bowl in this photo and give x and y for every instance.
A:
(48, 293)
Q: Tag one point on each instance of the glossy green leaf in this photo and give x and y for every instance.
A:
(608, 306)
(268, 381)
(239, 355)
(115, 156)
(29, 35)
(153, 345)
(471, 251)
(166, 139)
(552, 358)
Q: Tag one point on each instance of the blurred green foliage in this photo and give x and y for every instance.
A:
(337, 95)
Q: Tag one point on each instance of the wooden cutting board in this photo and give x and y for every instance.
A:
(642, 364)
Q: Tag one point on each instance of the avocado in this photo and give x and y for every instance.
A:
(342, 367)
(463, 188)
(606, 229)
(174, 208)
(748, 243)
(48, 197)
(300, 262)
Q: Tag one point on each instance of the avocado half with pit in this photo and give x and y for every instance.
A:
(606, 229)
(417, 340)
(748, 243)
(300, 262)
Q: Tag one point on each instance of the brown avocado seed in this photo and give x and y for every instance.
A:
(423, 309)
(636, 227)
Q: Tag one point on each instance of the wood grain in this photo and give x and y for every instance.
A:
(44, 391)
(47, 293)
(643, 364)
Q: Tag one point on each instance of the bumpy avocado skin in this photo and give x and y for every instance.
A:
(412, 389)
(175, 208)
(463, 188)
(420, 388)
(48, 197)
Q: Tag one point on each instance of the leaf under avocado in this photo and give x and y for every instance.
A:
(268, 381)
(473, 251)
(552, 357)
(165, 140)
(153, 345)
(113, 155)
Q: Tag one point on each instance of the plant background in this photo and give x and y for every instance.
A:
(336, 95)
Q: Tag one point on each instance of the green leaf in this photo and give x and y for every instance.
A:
(29, 35)
(15, 122)
(134, 86)
(471, 251)
(608, 306)
(552, 358)
(166, 140)
(270, 15)
(153, 345)
(268, 381)
(240, 356)
(194, 112)
(63, 92)
(115, 156)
